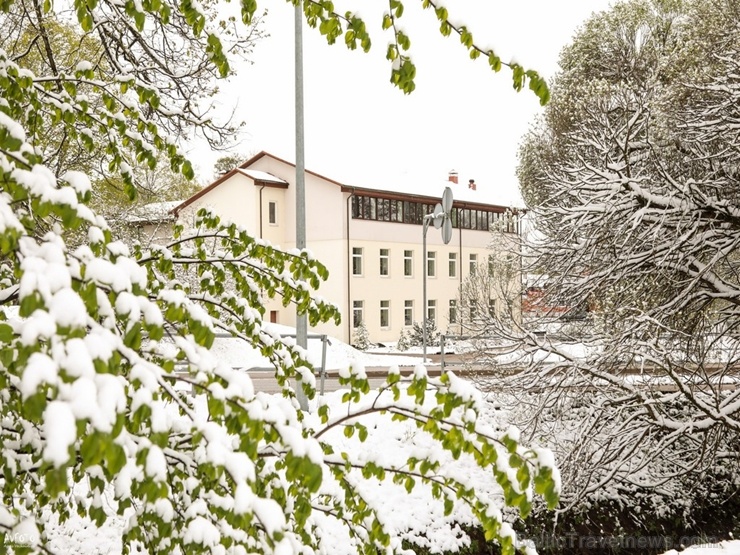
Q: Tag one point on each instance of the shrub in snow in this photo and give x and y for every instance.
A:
(107, 380)
(361, 337)
(416, 335)
(404, 342)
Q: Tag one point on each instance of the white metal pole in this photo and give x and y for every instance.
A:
(424, 289)
(300, 183)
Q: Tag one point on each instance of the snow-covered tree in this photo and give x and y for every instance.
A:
(404, 341)
(416, 334)
(113, 404)
(494, 290)
(632, 177)
(361, 337)
(227, 163)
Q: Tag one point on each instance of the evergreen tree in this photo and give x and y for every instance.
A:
(404, 341)
(361, 337)
(416, 337)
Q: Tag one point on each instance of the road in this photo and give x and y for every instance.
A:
(265, 381)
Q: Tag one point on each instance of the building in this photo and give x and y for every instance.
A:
(151, 223)
(369, 239)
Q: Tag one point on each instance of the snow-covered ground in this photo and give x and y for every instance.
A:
(416, 514)
(238, 354)
(722, 548)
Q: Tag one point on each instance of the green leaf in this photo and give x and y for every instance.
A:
(132, 338)
(6, 334)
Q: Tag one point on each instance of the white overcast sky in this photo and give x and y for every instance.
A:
(362, 131)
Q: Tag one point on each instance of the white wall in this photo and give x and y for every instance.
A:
(372, 288)
(234, 200)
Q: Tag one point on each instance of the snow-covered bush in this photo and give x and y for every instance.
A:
(404, 342)
(361, 337)
(107, 381)
(416, 335)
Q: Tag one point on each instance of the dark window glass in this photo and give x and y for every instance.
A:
(483, 220)
(396, 211)
(366, 208)
(384, 210)
(466, 218)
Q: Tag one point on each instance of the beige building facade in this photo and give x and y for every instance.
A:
(370, 240)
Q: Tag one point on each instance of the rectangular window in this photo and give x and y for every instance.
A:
(466, 218)
(396, 211)
(431, 264)
(453, 264)
(385, 314)
(483, 221)
(357, 315)
(272, 212)
(385, 262)
(366, 208)
(473, 312)
(491, 264)
(492, 307)
(431, 310)
(408, 263)
(356, 261)
(473, 263)
(408, 313)
(453, 311)
(384, 210)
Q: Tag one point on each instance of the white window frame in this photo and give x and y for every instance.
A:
(408, 313)
(452, 311)
(452, 265)
(385, 258)
(385, 313)
(358, 307)
(473, 261)
(357, 261)
(408, 263)
(432, 310)
(431, 264)
(272, 212)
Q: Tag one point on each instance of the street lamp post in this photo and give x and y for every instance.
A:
(424, 308)
(300, 185)
(441, 219)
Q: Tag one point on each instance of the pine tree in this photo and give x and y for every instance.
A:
(404, 341)
(361, 338)
(417, 334)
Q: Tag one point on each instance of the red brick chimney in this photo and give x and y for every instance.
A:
(472, 185)
(453, 176)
